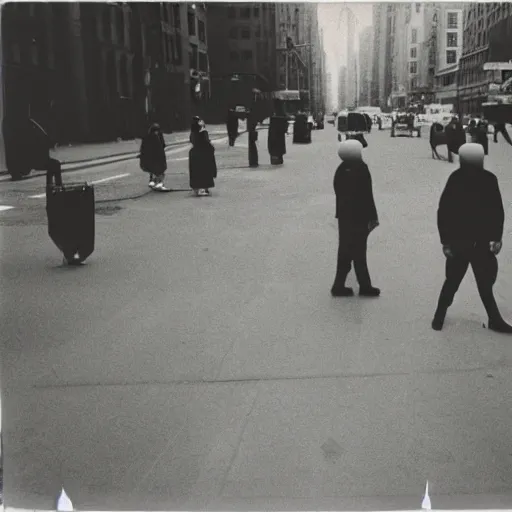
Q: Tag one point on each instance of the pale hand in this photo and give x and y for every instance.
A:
(495, 247)
(447, 251)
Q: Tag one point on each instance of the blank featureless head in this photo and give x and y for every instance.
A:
(472, 155)
(350, 150)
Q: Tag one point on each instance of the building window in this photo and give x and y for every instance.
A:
(413, 68)
(233, 33)
(191, 17)
(245, 12)
(176, 16)
(176, 50)
(452, 20)
(413, 53)
(418, 7)
(451, 56)
(245, 33)
(201, 30)
(256, 12)
(451, 40)
(414, 36)
(203, 62)
(193, 56)
(233, 56)
(258, 32)
(231, 13)
(414, 83)
(247, 55)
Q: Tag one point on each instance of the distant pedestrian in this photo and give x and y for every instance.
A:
(276, 141)
(232, 126)
(501, 128)
(455, 137)
(153, 159)
(252, 123)
(483, 135)
(470, 219)
(357, 218)
(201, 159)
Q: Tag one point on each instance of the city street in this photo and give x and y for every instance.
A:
(198, 361)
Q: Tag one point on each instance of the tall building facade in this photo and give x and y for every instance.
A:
(329, 105)
(401, 34)
(242, 42)
(347, 27)
(95, 71)
(449, 25)
(383, 16)
(480, 19)
(342, 89)
(292, 25)
(365, 66)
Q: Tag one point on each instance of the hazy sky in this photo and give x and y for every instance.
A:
(328, 15)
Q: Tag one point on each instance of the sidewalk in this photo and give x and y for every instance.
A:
(87, 152)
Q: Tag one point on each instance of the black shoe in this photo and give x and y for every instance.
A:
(370, 291)
(500, 326)
(341, 291)
(437, 324)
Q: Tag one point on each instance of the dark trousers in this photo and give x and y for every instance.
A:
(485, 268)
(353, 243)
(253, 154)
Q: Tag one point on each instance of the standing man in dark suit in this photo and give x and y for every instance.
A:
(470, 219)
(357, 218)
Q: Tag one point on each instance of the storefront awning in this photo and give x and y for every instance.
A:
(286, 95)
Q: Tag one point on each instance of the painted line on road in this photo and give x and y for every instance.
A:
(4, 208)
(103, 180)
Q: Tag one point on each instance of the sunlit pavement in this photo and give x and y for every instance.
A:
(198, 360)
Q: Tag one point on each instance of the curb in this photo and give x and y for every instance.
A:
(90, 163)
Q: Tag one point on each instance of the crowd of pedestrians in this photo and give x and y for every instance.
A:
(470, 221)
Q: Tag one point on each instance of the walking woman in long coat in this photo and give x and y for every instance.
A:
(152, 157)
(201, 159)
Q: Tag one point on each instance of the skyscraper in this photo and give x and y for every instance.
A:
(365, 66)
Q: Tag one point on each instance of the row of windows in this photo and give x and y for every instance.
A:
(243, 32)
(201, 27)
(172, 49)
(244, 12)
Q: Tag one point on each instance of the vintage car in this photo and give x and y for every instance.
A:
(351, 123)
(405, 124)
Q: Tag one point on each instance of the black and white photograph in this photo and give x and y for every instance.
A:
(255, 256)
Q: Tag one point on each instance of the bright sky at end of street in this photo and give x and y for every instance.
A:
(329, 16)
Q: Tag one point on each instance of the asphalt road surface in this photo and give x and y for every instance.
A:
(198, 361)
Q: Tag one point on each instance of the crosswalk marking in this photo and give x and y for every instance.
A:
(110, 178)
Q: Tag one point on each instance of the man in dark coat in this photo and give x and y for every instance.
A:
(479, 136)
(357, 217)
(470, 219)
(153, 159)
(232, 126)
(455, 137)
(276, 141)
(27, 148)
(202, 166)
